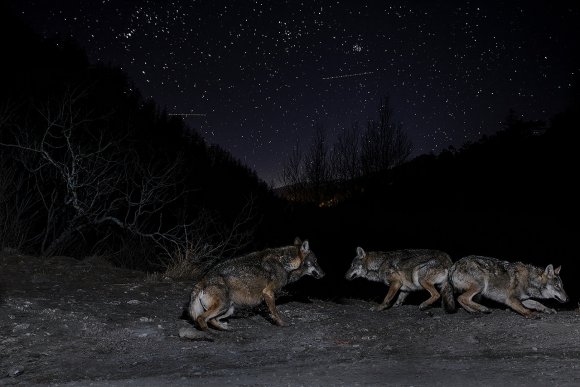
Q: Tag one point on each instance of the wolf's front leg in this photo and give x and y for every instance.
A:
(269, 299)
(517, 305)
(533, 304)
(393, 289)
(402, 296)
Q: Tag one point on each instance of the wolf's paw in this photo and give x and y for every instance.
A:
(378, 308)
(424, 306)
(219, 325)
(532, 316)
(281, 323)
(201, 324)
(485, 310)
(550, 311)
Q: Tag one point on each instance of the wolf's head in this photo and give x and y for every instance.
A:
(357, 267)
(293, 256)
(552, 285)
(308, 262)
(311, 267)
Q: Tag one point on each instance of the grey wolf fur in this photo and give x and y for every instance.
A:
(249, 280)
(514, 284)
(405, 271)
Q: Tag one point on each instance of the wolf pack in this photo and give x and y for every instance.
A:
(252, 279)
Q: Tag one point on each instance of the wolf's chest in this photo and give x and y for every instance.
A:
(409, 280)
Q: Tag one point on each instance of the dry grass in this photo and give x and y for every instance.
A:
(185, 265)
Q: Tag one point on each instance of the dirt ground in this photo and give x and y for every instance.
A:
(64, 321)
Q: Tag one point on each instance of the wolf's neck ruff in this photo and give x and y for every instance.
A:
(373, 274)
(290, 261)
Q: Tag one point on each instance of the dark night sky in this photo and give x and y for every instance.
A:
(263, 73)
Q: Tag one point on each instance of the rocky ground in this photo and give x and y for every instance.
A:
(64, 321)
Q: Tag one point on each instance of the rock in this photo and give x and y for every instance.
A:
(16, 371)
(21, 327)
(472, 339)
(193, 334)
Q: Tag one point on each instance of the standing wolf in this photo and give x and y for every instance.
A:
(514, 284)
(249, 280)
(406, 271)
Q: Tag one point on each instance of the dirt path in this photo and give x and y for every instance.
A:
(64, 321)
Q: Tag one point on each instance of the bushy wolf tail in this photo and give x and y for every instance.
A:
(447, 297)
(195, 306)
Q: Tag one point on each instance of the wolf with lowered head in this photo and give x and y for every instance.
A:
(249, 280)
(514, 284)
(405, 271)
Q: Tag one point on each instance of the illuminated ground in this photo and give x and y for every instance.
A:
(63, 321)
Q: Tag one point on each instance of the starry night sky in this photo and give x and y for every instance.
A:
(258, 75)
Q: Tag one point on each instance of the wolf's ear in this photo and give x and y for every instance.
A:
(360, 253)
(305, 247)
(549, 270)
(297, 241)
(557, 270)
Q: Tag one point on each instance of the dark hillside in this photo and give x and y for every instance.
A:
(117, 171)
(512, 195)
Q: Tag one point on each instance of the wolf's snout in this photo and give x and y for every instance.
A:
(563, 299)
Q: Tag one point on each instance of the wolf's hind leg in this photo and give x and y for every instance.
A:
(221, 325)
(533, 304)
(432, 291)
(466, 301)
(214, 305)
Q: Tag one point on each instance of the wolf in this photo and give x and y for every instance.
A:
(514, 284)
(249, 280)
(406, 271)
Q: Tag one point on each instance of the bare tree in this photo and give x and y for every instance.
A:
(83, 174)
(17, 198)
(345, 154)
(17, 204)
(307, 177)
(317, 168)
(315, 176)
(293, 173)
(384, 144)
(87, 182)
